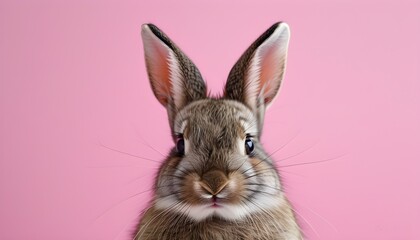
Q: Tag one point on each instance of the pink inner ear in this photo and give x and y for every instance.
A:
(158, 64)
(161, 79)
(267, 70)
(270, 73)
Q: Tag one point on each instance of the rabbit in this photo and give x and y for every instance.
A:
(217, 182)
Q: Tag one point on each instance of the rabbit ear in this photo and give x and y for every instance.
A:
(255, 79)
(175, 80)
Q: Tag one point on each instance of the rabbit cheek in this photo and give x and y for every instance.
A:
(165, 181)
(266, 176)
(236, 188)
(190, 189)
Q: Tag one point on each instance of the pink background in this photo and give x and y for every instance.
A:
(73, 82)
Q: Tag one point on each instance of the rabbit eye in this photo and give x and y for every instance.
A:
(180, 146)
(249, 145)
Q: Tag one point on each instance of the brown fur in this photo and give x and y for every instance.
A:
(216, 163)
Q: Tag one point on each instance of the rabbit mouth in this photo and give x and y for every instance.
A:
(219, 208)
(215, 202)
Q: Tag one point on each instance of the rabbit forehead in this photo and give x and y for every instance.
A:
(215, 116)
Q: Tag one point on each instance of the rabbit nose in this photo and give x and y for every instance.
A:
(214, 181)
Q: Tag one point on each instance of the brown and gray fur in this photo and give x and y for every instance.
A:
(217, 188)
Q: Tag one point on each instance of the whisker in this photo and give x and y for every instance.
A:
(307, 163)
(263, 185)
(120, 202)
(309, 224)
(267, 213)
(296, 154)
(259, 173)
(259, 191)
(119, 166)
(271, 154)
(163, 213)
(287, 143)
(128, 224)
(128, 154)
(322, 218)
(288, 172)
(138, 178)
(174, 193)
(149, 145)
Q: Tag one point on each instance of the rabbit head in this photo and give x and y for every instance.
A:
(217, 167)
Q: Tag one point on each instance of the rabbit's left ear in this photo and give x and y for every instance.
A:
(256, 77)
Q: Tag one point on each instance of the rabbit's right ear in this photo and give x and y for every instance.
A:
(174, 78)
